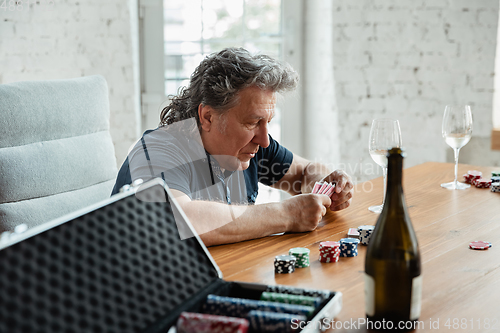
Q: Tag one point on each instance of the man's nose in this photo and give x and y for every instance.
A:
(262, 137)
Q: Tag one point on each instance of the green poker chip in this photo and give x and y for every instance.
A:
(302, 255)
(291, 299)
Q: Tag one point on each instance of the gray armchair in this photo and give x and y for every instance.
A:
(56, 152)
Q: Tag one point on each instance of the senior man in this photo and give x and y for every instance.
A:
(213, 147)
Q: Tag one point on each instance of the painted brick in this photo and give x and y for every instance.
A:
(467, 4)
(359, 32)
(72, 40)
(487, 17)
(355, 89)
(482, 82)
(385, 59)
(435, 52)
(460, 17)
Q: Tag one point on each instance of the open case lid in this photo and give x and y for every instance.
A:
(117, 266)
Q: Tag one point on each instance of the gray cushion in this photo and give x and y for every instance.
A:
(56, 153)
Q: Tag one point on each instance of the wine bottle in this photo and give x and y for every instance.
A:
(393, 280)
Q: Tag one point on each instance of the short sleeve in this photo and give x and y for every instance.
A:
(274, 162)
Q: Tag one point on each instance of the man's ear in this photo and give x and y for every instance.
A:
(205, 113)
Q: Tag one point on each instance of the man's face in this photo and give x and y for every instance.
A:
(241, 130)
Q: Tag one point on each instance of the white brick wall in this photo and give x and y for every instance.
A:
(77, 38)
(407, 59)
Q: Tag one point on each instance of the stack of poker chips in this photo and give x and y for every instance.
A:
(472, 175)
(205, 323)
(482, 183)
(267, 322)
(302, 255)
(365, 233)
(291, 299)
(284, 264)
(495, 181)
(329, 252)
(349, 247)
(323, 294)
(240, 307)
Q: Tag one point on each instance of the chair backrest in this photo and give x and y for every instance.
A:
(56, 152)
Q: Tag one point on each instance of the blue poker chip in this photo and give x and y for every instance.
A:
(349, 241)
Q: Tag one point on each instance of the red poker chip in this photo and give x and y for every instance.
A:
(483, 183)
(329, 244)
(474, 173)
(479, 245)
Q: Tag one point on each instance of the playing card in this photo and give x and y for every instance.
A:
(322, 188)
(317, 186)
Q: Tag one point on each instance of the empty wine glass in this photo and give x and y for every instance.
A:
(457, 131)
(384, 134)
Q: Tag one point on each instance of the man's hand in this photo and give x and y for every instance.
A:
(342, 196)
(305, 211)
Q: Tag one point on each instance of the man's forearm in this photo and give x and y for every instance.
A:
(218, 223)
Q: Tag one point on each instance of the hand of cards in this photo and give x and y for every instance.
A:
(323, 188)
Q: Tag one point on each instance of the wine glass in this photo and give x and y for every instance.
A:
(457, 130)
(384, 134)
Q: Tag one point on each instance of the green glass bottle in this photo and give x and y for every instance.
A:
(393, 280)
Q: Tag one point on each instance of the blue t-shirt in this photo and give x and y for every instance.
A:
(177, 156)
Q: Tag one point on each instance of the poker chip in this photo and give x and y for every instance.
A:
(482, 183)
(495, 187)
(495, 174)
(365, 232)
(323, 294)
(475, 174)
(284, 264)
(267, 322)
(349, 241)
(240, 307)
(349, 247)
(495, 179)
(291, 299)
(302, 255)
(479, 245)
(472, 175)
(329, 252)
(189, 322)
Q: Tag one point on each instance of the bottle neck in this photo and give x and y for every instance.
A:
(394, 177)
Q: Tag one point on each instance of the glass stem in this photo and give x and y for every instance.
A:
(456, 150)
(384, 172)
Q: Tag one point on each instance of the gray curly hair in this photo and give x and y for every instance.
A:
(220, 76)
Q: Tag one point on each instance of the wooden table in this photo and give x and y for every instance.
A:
(457, 282)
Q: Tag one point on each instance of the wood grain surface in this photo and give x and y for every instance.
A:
(457, 282)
